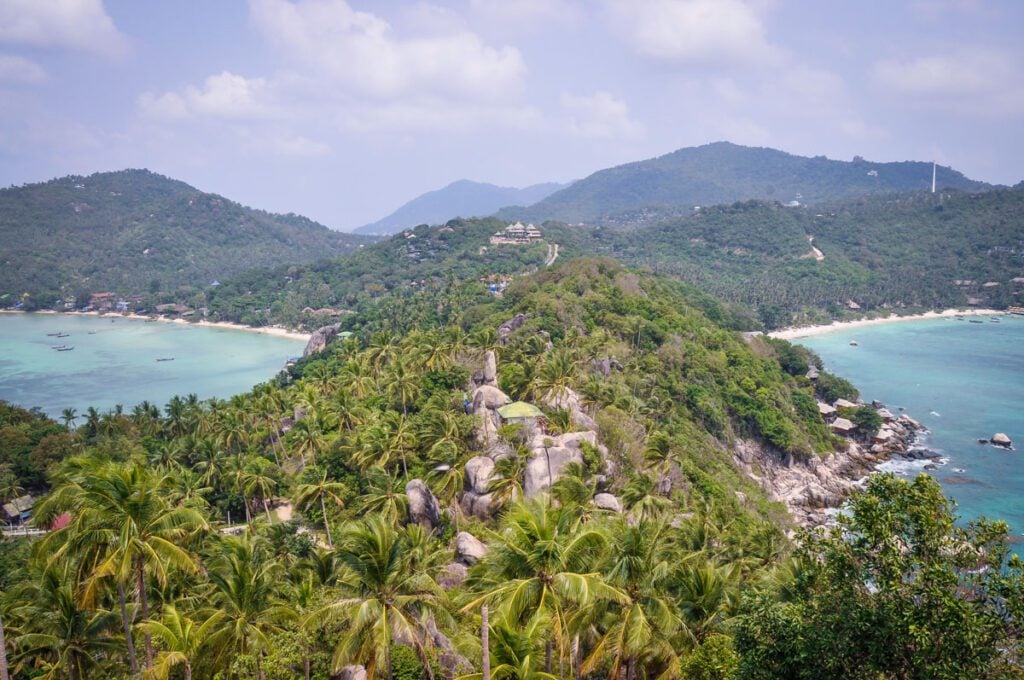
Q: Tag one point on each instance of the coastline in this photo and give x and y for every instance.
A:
(797, 332)
(226, 325)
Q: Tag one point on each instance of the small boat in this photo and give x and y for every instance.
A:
(63, 335)
(993, 320)
(166, 359)
(853, 343)
(982, 441)
(976, 321)
(92, 332)
(51, 335)
(63, 348)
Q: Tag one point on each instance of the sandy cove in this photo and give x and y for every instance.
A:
(807, 331)
(265, 330)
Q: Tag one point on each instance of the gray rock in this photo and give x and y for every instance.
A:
(476, 505)
(581, 419)
(352, 673)
(487, 428)
(741, 497)
(555, 458)
(452, 575)
(490, 368)
(509, 327)
(479, 471)
(423, 507)
(468, 548)
(490, 397)
(1000, 439)
(319, 339)
(606, 501)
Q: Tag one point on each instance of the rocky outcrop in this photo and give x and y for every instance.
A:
(452, 575)
(320, 338)
(476, 500)
(1000, 439)
(809, 487)
(490, 373)
(352, 673)
(490, 397)
(423, 506)
(607, 501)
(469, 549)
(509, 327)
(545, 466)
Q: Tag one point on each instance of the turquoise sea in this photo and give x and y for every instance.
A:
(964, 381)
(115, 362)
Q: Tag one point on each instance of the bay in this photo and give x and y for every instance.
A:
(965, 381)
(114, 361)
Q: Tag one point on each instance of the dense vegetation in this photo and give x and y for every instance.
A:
(459, 199)
(136, 232)
(691, 580)
(722, 173)
(899, 252)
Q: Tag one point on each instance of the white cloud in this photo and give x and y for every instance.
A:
(525, 12)
(360, 52)
(225, 95)
(968, 80)
(77, 24)
(599, 115)
(15, 69)
(697, 32)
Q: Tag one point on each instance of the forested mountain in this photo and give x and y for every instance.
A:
(390, 515)
(893, 252)
(722, 173)
(463, 198)
(135, 231)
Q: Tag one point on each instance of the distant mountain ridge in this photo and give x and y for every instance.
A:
(723, 173)
(463, 198)
(135, 231)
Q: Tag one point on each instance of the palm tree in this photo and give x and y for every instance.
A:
(257, 480)
(643, 627)
(517, 651)
(122, 528)
(402, 384)
(307, 495)
(245, 591)
(660, 453)
(308, 437)
(69, 416)
(71, 639)
(181, 640)
(383, 598)
(385, 496)
(706, 597)
(542, 562)
(4, 674)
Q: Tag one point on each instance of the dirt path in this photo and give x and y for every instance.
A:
(815, 253)
(553, 254)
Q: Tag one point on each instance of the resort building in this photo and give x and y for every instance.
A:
(517, 234)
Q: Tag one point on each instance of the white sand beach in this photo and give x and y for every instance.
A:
(808, 331)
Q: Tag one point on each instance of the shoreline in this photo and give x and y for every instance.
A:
(796, 332)
(226, 325)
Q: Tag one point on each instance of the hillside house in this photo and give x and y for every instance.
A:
(517, 234)
(102, 302)
(842, 426)
(19, 510)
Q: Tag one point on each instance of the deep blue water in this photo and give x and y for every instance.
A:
(964, 381)
(115, 363)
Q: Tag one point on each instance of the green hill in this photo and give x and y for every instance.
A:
(722, 173)
(135, 231)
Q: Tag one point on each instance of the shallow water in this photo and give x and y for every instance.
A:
(964, 381)
(116, 362)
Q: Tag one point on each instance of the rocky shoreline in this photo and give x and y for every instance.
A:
(810, 488)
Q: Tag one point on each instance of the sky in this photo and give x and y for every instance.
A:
(342, 110)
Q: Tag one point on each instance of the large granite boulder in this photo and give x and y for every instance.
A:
(506, 329)
(476, 505)
(490, 397)
(487, 426)
(546, 466)
(423, 506)
(352, 673)
(562, 399)
(469, 549)
(319, 339)
(1000, 439)
(452, 575)
(490, 368)
(607, 501)
(479, 471)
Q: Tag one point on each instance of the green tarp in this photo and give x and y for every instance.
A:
(519, 409)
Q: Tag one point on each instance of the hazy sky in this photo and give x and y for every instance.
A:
(342, 110)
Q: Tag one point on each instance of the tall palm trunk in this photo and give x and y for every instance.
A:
(132, 663)
(547, 657)
(575, 661)
(188, 671)
(3, 653)
(144, 602)
(485, 644)
(266, 508)
(327, 525)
